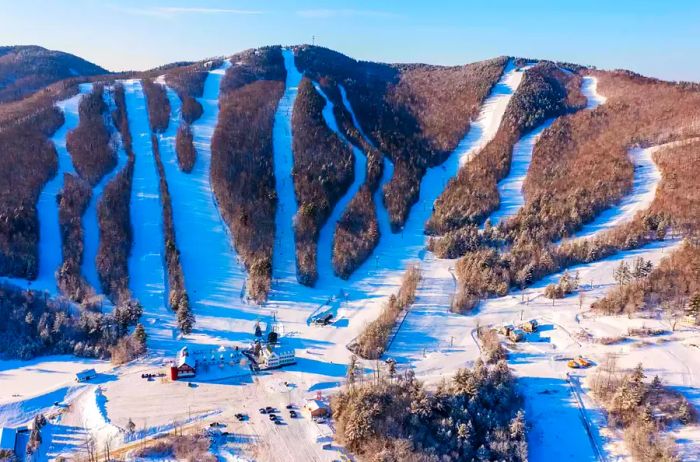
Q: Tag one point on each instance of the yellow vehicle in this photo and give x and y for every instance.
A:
(573, 364)
(583, 362)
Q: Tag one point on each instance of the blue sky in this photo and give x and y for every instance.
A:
(658, 38)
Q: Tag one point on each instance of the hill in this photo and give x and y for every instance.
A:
(27, 68)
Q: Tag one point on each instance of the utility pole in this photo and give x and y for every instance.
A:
(313, 40)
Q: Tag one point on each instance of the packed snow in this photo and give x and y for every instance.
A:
(589, 88)
(284, 257)
(146, 271)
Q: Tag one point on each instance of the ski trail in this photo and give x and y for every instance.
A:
(589, 88)
(387, 172)
(379, 276)
(284, 255)
(325, 241)
(510, 188)
(49, 246)
(430, 315)
(90, 222)
(644, 184)
(146, 272)
(214, 278)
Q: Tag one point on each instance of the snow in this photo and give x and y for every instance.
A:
(214, 278)
(325, 240)
(284, 258)
(510, 189)
(49, 251)
(589, 88)
(90, 222)
(146, 271)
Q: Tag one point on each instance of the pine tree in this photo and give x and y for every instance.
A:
(621, 274)
(140, 336)
(130, 426)
(185, 319)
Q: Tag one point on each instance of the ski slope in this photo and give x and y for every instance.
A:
(91, 230)
(49, 247)
(430, 312)
(383, 220)
(214, 278)
(510, 189)
(326, 235)
(284, 256)
(644, 184)
(589, 88)
(146, 272)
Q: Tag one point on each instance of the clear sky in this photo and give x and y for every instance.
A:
(659, 38)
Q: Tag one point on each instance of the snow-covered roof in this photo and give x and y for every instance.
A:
(8, 436)
(183, 360)
(314, 404)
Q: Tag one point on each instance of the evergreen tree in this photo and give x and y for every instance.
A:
(140, 336)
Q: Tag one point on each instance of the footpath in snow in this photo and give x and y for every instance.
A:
(91, 230)
(146, 271)
(49, 251)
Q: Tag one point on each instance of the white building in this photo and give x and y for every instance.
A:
(271, 359)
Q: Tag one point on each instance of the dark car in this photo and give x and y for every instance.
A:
(293, 414)
(262, 411)
(278, 422)
(290, 406)
(269, 409)
(273, 417)
(240, 417)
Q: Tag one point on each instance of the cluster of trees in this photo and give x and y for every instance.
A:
(242, 171)
(190, 448)
(373, 340)
(545, 92)
(415, 114)
(178, 299)
(566, 285)
(323, 170)
(356, 233)
(72, 203)
(33, 324)
(673, 284)
(113, 214)
(475, 415)
(89, 143)
(642, 410)
(188, 82)
(26, 151)
(158, 105)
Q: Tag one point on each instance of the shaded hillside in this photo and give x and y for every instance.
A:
(25, 69)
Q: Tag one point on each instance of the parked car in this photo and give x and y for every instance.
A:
(269, 409)
(290, 406)
(273, 417)
(262, 410)
(240, 417)
(293, 414)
